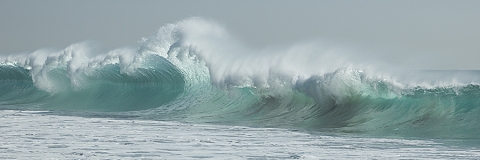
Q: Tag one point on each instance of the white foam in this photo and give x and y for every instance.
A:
(195, 44)
(36, 135)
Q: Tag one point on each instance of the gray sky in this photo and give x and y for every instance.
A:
(417, 34)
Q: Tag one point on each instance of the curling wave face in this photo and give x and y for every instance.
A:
(103, 88)
(195, 71)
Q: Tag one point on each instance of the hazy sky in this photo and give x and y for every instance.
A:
(424, 34)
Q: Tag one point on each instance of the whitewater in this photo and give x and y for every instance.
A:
(191, 90)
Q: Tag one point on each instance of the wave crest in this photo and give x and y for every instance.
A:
(194, 70)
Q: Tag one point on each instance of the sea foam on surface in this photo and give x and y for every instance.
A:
(42, 135)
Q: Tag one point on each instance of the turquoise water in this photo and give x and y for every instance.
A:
(192, 71)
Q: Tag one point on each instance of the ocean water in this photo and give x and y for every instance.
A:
(41, 135)
(192, 91)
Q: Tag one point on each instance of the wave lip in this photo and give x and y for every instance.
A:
(194, 70)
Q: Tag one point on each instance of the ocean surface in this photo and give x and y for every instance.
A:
(192, 91)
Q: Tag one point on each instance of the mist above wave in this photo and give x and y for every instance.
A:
(204, 49)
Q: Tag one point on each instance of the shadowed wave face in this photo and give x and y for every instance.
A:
(102, 89)
(195, 71)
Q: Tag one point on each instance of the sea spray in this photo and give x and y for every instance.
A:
(194, 70)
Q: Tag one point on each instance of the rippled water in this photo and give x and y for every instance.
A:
(40, 135)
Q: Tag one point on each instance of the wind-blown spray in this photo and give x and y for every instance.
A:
(194, 70)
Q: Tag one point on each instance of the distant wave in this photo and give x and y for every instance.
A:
(194, 70)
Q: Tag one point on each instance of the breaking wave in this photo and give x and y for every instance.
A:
(194, 70)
